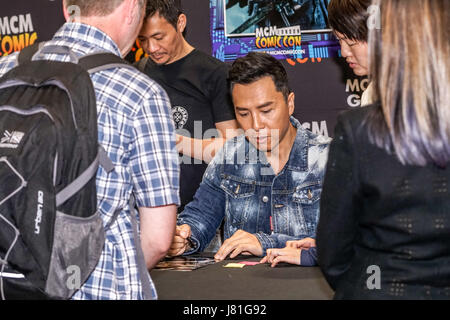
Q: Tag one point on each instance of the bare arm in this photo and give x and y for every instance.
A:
(206, 149)
(157, 231)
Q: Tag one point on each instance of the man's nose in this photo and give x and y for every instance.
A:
(257, 124)
(152, 46)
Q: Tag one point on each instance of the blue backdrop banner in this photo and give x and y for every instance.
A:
(286, 29)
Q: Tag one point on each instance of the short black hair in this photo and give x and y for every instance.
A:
(167, 9)
(349, 17)
(255, 66)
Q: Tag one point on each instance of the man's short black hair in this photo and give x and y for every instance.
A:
(255, 66)
(167, 9)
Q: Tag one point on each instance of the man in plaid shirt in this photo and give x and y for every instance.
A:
(136, 129)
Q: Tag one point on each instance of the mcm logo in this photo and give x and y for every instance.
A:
(11, 140)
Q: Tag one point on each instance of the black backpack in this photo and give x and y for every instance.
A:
(51, 235)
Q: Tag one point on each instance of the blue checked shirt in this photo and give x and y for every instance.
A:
(135, 127)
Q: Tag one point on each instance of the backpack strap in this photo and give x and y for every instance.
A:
(76, 185)
(91, 63)
(27, 53)
(104, 160)
(141, 64)
(96, 62)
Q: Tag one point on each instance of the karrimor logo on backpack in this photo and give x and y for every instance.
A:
(11, 140)
(49, 158)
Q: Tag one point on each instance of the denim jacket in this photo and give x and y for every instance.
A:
(240, 186)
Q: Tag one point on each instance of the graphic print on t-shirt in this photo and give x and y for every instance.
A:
(180, 116)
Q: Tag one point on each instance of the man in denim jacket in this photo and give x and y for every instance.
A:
(265, 183)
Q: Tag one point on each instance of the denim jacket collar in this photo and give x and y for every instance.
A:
(298, 157)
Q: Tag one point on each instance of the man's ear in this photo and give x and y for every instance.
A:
(71, 13)
(65, 12)
(291, 103)
(130, 13)
(181, 23)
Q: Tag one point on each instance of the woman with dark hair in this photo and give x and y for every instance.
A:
(348, 20)
(384, 228)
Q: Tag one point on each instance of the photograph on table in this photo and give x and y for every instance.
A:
(182, 263)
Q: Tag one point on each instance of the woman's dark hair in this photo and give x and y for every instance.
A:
(167, 9)
(256, 65)
(349, 17)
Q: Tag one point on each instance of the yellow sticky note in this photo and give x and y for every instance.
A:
(234, 265)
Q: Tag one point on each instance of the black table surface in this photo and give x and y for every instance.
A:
(258, 282)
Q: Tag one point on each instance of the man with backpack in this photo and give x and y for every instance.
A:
(136, 130)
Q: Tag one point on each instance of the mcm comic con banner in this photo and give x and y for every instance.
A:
(286, 29)
(24, 22)
(294, 31)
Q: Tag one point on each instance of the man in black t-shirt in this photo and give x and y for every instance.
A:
(196, 84)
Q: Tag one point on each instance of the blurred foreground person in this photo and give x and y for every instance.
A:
(136, 130)
(384, 229)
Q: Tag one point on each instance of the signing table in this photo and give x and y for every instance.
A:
(257, 282)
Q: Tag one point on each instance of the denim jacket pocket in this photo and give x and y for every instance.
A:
(307, 198)
(239, 202)
(307, 193)
(237, 188)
